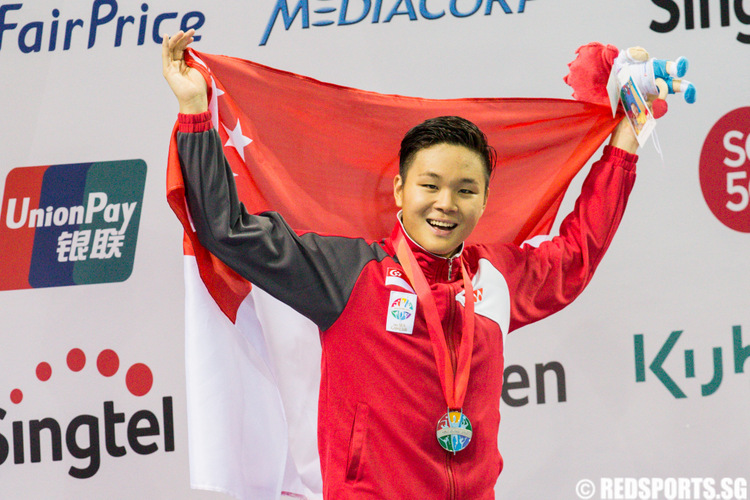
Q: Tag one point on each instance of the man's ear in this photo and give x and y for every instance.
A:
(486, 197)
(398, 190)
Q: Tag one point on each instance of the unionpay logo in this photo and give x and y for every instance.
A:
(75, 224)
(85, 438)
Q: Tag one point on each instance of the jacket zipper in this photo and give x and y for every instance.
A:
(451, 477)
(450, 337)
(450, 268)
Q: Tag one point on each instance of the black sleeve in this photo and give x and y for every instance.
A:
(313, 274)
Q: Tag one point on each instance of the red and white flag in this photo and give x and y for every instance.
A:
(324, 156)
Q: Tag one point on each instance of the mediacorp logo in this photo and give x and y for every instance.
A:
(74, 224)
(348, 12)
(725, 170)
(146, 431)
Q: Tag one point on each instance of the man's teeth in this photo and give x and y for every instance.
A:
(441, 225)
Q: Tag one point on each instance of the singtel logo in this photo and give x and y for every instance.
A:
(85, 437)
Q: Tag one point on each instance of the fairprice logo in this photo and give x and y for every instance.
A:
(107, 24)
(319, 13)
(87, 436)
(725, 170)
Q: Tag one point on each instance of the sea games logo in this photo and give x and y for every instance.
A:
(70, 224)
(725, 170)
(345, 12)
(85, 436)
(58, 31)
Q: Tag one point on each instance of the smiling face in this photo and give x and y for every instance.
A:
(442, 197)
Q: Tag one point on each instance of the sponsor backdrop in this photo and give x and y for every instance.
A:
(646, 374)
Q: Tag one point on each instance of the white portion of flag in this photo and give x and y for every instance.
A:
(237, 428)
(294, 346)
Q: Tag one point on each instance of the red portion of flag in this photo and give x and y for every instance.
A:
(324, 156)
(226, 287)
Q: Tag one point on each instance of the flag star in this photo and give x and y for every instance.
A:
(236, 139)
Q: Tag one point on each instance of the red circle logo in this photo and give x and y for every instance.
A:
(139, 379)
(76, 360)
(43, 371)
(725, 170)
(108, 362)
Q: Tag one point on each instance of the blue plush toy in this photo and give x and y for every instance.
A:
(656, 77)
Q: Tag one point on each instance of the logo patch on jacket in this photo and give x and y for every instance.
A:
(395, 277)
(491, 295)
(402, 309)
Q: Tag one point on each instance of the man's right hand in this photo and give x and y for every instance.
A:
(187, 83)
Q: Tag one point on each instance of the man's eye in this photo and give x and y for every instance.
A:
(467, 191)
(429, 186)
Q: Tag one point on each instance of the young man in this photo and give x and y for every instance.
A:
(412, 364)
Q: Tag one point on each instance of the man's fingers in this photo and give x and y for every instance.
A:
(168, 53)
(165, 59)
(175, 38)
(181, 39)
(185, 40)
(174, 44)
(179, 42)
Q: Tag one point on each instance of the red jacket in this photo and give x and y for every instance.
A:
(380, 394)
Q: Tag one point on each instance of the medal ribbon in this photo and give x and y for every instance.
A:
(454, 384)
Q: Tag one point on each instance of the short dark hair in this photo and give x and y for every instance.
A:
(446, 130)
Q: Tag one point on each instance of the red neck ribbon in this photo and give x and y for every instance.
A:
(454, 383)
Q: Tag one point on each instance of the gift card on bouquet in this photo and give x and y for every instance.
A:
(622, 88)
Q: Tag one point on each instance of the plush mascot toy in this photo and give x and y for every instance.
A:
(655, 77)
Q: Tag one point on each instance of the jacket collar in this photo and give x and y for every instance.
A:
(434, 267)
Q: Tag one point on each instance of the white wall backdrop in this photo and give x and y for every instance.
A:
(674, 266)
